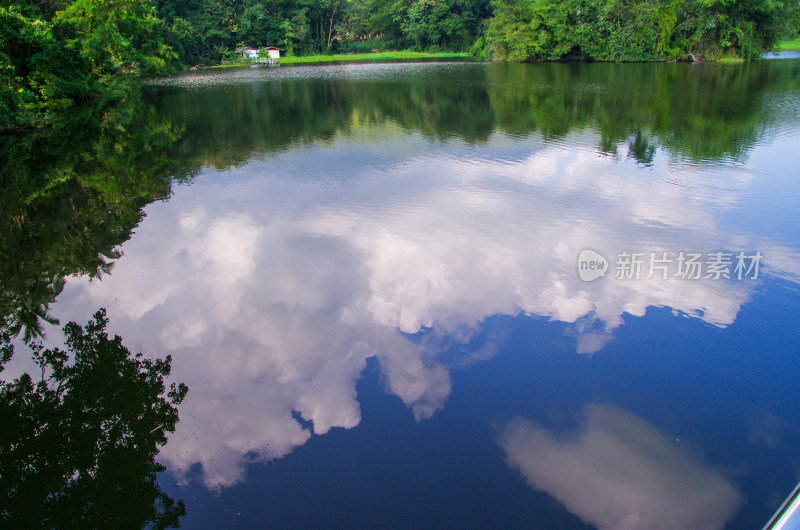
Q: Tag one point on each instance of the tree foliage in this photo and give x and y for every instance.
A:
(56, 52)
(638, 30)
(115, 36)
(207, 31)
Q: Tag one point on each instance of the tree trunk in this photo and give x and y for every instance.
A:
(330, 27)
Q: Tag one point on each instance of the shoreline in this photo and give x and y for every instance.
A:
(388, 56)
(411, 56)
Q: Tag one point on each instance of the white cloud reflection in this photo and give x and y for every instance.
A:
(271, 291)
(620, 473)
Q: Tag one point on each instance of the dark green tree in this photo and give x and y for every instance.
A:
(79, 444)
(115, 37)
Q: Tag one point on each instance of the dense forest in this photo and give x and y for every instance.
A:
(56, 52)
(639, 30)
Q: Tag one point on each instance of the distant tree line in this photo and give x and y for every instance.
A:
(56, 52)
(639, 30)
(204, 31)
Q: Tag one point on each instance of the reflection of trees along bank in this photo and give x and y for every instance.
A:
(703, 112)
(68, 197)
(78, 447)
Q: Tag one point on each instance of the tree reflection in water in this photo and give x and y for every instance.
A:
(78, 446)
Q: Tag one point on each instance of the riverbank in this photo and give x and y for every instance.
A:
(377, 56)
(386, 56)
(404, 55)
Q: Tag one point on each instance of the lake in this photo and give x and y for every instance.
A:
(452, 294)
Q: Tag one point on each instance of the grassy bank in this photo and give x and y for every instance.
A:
(361, 57)
(730, 59)
(789, 45)
(379, 56)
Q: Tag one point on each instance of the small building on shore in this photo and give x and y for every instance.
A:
(273, 52)
(268, 54)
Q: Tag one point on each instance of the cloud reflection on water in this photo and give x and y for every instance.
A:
(621, 473)
(271, 291)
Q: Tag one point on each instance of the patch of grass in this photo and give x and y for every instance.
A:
(379, 56)
(730, 59)
(229, 65)
(391, 56)
(787, 45)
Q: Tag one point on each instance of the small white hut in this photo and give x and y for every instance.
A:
(273, 52)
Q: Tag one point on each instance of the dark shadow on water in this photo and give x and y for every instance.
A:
(79, 440)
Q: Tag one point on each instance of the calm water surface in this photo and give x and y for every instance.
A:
(368, 276)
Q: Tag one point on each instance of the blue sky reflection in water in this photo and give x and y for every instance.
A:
(384, 325)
